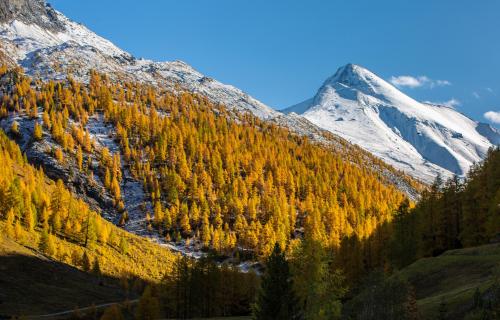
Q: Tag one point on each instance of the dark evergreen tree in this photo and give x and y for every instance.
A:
(403, 246)
(276, 299)
(443, 310)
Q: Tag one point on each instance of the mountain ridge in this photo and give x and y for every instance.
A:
(51, 45)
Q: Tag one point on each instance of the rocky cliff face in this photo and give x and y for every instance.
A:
(30, 12)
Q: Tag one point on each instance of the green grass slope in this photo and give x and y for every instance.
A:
(452, 278)
(32, 284)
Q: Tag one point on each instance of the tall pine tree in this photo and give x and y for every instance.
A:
(276, 299)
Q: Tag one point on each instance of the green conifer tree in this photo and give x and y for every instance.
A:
(276, 299)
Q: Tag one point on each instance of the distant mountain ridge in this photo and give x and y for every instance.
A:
(421, 139)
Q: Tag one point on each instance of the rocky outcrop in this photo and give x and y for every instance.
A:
(39, 154)
(30, 12)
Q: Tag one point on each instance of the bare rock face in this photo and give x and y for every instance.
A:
(38, 154)
(30, 12)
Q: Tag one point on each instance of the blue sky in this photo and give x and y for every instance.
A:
(281, 51)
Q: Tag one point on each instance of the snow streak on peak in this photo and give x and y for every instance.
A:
(419, 138)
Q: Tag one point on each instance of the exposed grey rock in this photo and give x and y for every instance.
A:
(38, 154)
(30, 12)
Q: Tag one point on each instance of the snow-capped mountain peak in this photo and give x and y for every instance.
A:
(352, 75)
(419, 138)
(354, 79)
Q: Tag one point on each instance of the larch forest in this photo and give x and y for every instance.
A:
(122, 199)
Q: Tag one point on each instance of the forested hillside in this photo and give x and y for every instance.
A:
(439, 263)
(44, 215)
(228, 182)
(223, 184)
(47, 229)
(57, 253)
(222, 181)
(451, 215)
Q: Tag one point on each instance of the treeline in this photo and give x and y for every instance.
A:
(202, 289)
(300, 284)
(451, 215)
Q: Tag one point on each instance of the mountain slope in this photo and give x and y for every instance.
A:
(419, 138)
(46, 43)
(54, 285)
(452, 278)
(49, 45)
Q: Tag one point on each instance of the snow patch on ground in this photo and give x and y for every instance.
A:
(137, 202)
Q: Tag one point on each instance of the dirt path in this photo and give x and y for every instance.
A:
(56, 315)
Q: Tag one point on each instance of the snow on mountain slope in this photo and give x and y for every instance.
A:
(419, 138)
(48, 44)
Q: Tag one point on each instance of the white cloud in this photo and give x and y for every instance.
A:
(493, 116)
(415, 82)
(406, 81)
(491, 91)
(440, 83)
(476, 95)
(452, 103)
